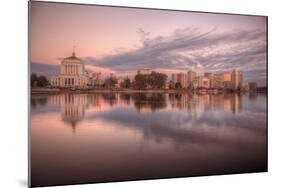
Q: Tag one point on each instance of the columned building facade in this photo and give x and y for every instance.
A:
(72, 74)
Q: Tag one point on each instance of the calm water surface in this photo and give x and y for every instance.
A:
(78, 138)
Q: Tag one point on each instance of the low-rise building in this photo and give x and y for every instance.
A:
(144, 71)
(96, 79)
(201, 82)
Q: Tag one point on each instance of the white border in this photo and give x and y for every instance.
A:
(14, 97)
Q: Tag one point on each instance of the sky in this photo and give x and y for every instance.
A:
(122, 40)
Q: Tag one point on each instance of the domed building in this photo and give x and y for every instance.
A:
(72, 74)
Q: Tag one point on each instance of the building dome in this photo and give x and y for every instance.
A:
(71, 59)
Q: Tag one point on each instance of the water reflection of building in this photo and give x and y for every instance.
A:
(236, 103)
(195, 103)
(227, 104)
(72, 107)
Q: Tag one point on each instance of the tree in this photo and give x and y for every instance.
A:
(126, 83)
(42, 81)
(171, 85)
(110, 82)
(154, 80)
(178, 85)
(33, 79)
(141, 81)
(158, 80)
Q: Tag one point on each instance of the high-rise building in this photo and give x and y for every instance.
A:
(180, 78)
(236, 79)
(190, 77)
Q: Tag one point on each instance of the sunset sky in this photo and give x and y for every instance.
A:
(122, 40)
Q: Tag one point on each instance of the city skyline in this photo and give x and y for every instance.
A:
(160, 40)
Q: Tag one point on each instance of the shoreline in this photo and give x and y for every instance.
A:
(57, 91)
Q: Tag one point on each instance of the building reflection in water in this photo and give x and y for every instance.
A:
(252, 96)
(38, 100)
(73, 106)
(193, 103)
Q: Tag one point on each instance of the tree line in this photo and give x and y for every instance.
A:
(154, 80)
(38, 81)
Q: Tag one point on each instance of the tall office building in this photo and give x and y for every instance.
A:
(236, 79)
(190, 77)
(180, 78)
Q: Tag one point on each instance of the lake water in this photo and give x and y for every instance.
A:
(79, 138)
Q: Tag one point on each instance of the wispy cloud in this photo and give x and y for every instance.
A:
(191, 48)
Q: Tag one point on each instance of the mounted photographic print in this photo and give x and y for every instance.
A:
(123, 93)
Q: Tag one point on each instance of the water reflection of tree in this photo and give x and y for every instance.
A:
(73, 106)
(149, 102)
(125, 97)
(38, 100)
(252, 96)
(110, 98)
